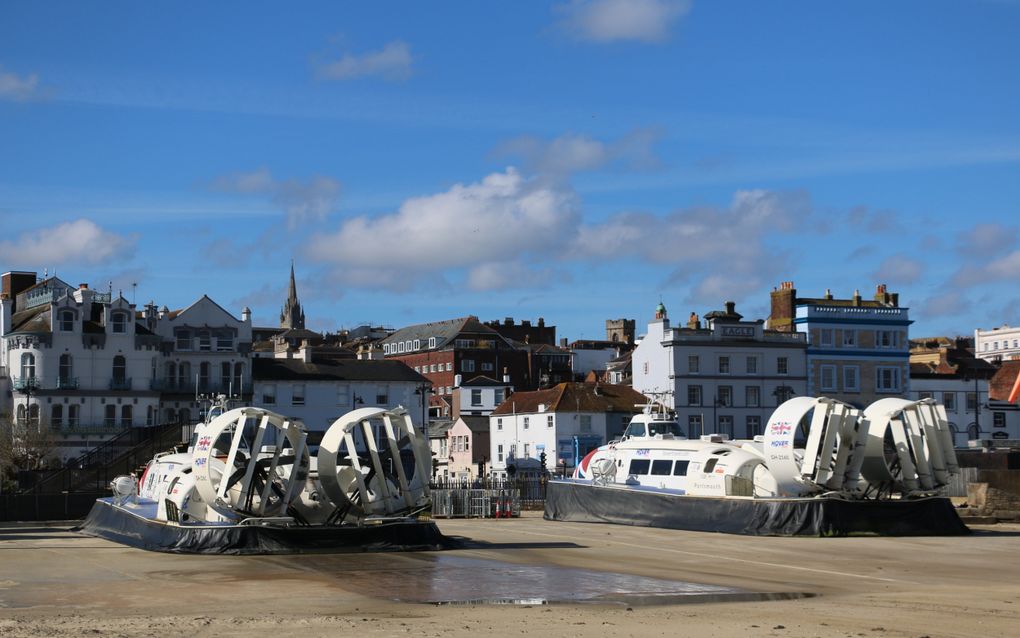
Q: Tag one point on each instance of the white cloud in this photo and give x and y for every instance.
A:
(505, 275)
(392, 62)
(621, 20)
(78, 242)
(573, 153)
(723, 251)
(943, 304)
(502, 219)
(899, 269)
(18, 88)
(310, 201)
(987, 240)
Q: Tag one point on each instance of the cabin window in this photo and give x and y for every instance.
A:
(661, 467)
(636, 429)
(680, 468)
(710, 465)
(639, 466)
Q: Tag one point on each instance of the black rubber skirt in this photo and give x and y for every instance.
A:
(586, 503)
(122, 526)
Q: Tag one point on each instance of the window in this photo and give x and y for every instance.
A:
(27, 366)
(66, 370)
(526, 422)
(851, 379)
(385, 348)
(400, 347)
(225, 375)
(382, 397)
(550, 421)
(971, 402)
(680, 468)
(710, 465)
(849, 338)
(752, 365)
(499, 425)
(417, 344)
(694, 425)
(825, 337)
(828, 378)
(949, 401)
(995, 345)
(725, 395)
(693, 364)
(467, 365)
(203, 375)
(753, 396)
(782, 365)
(110, 417)
(924, 395)
(887, 379)
(119, 321)
(149, 415)
(432, 342)
(297, 397)
(662, 467)
(57, 415)
(125, 416)
(183, 340)
(238, 377)
(269, 394)
(499, 448)
(726, 424)
(66, 320)
(639, 466)
(476, 397)
(119, 369)
(204, 341)
(724, 365)
(72, 416)
(497, 395)
(224, 342)
(999, 419)
(487, 366)
(585, 424)
(449, 366)
(754, 426)
(886, 338)
(694, 395)
(343, 394)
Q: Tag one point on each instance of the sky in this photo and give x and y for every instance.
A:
(577, 161)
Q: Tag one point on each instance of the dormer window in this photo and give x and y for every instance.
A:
(118, 321)
(204, 341)
(66, 320)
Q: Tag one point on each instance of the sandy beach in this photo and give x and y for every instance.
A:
(56, 582)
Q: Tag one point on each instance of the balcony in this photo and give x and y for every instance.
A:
(67, 383)
(120, 384)
(27, 384)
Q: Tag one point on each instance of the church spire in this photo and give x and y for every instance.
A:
(292, 317)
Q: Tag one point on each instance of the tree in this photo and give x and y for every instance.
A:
(23, 446)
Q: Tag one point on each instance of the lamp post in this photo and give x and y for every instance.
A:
(422, 390)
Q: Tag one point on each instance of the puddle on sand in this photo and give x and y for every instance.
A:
(452, 580)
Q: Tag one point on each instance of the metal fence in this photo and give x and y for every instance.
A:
(487, 499)
(47, 507)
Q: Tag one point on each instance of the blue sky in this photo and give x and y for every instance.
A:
(573, 160)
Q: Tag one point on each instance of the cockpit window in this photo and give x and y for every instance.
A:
(636, 429)
(664, 427)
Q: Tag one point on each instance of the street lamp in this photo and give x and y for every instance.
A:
(422, 390)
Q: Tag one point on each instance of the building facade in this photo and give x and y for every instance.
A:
(858, 350)
(725, 378)
(998, 344)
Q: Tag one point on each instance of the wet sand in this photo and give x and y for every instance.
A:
(54, 582)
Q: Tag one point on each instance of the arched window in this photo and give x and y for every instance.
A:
(66, 370)
(110, 416)
(184, 375)
(119, 321)
(170, 374)
(66, 320)
(203, 376)
(27, 366)
(57, 415)
(225, 376)
(119, 368)
(22, 415)
(171, 416)
(33, 414)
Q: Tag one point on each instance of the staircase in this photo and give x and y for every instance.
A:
(123, 454)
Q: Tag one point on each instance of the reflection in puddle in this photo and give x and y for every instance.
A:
(459, 580)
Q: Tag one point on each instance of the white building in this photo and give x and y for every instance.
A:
(564, 422)
(727, 377)
(79, 364)
(479, 396)
(318, 389)
(997, 344)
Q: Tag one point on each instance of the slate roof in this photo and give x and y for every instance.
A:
(444, 331)
(477, 424)
(333, 370)
(575, 397)
(438, 429)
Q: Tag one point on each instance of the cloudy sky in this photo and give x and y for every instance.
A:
(575, 160)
